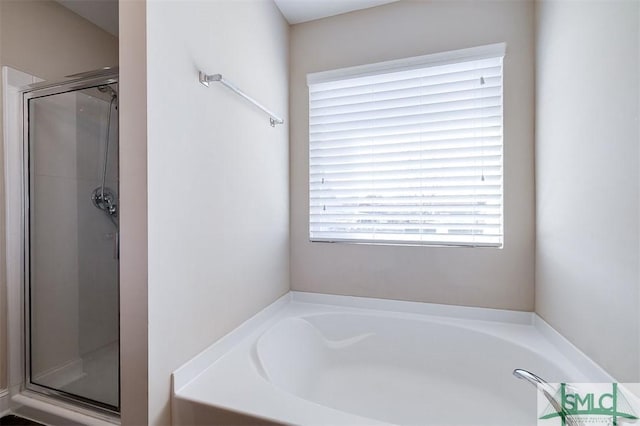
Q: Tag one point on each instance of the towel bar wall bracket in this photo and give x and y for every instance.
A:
(205, 79)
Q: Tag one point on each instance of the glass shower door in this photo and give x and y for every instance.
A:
(72, 245)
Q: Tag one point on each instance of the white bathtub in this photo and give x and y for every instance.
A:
(332, 360)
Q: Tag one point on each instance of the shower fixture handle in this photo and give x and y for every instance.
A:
(106, 200)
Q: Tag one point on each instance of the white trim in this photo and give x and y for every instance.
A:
(12, 81)
(569, 350)
(440, 58)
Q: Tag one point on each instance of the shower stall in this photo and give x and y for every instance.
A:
(71, 238)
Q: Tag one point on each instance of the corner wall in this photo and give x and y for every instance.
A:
(217, 177)
(496, 278)
(587, 181)
(133, 214)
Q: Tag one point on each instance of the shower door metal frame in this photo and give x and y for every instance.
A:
(38, 90)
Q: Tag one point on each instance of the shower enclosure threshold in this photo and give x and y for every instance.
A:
(51, 411)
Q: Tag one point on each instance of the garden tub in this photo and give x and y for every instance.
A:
(336, 360)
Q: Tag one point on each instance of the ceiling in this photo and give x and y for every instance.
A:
(297, 11)
(104, 13)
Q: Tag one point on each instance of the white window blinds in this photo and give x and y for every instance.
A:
(408, 152)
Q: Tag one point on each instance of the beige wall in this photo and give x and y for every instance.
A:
(587, 163)
(217, 177)
(479, 277)
(133, 214)
(45, 39)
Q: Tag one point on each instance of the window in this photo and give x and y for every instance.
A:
(408, 151)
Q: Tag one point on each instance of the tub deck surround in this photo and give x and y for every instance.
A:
(323, 359)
